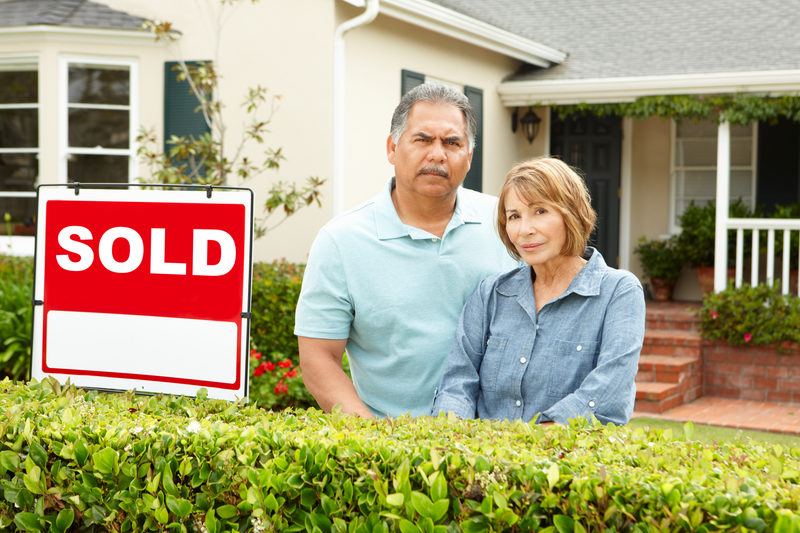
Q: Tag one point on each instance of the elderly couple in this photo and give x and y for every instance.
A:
(438, 314)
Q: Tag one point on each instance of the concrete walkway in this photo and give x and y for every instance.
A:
(741, 414)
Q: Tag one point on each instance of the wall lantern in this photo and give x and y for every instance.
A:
(530, 122)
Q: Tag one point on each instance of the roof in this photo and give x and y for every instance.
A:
(633, 38)
(75, 13)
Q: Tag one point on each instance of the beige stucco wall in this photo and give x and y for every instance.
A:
(376, 55)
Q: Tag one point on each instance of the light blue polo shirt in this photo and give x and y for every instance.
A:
(395, 292)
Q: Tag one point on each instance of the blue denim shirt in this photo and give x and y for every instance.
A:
(577, 356)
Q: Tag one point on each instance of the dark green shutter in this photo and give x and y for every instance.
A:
(409, 80)
(474, 179)
(181, 116)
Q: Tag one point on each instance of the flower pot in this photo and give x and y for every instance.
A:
(705, 277)
(662, 289)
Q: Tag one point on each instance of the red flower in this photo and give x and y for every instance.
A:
(714, 315)
(281, 388)
(286, 363)
(748, 337)
(259, 370)
(255, 354)
(290, 374)
(269, 366)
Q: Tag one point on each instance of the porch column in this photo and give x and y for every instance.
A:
(723, 194)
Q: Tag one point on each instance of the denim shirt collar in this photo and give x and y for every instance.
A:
(586, 283)
(389, 226)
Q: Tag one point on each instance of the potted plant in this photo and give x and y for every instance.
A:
(697, 236)
(662, 261)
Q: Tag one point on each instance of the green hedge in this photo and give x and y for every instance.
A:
(16, 307)
(94, 461)
(751, 315)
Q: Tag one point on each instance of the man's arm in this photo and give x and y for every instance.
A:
(321, 365)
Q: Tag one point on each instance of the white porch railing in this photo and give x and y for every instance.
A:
(757, 226)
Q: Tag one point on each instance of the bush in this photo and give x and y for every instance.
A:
(751, 315)
(661, 259)
(698, 224)
(95, 461)
(16, 308)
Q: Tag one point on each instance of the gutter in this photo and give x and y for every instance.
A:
(363, 19)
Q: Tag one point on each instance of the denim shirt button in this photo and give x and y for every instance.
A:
(592, 404)
(579, 348)
(518, 403)
(523, 360)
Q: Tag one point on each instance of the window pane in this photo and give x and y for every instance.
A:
(98, 127)
(702, 128)
(18, 172)
(97, 168)
(22, 211)
(99, 85)
(742, 151)
(19, 87)
(19, 128)
(696, 152)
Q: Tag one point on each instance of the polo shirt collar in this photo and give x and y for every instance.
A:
(389, 226)
(586, 283)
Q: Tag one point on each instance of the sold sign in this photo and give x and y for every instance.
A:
(142, 289)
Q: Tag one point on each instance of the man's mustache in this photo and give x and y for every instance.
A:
(438, 171)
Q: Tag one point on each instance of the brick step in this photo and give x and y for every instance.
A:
(672, 342)
(672, 315)
(668, 368)
(656, 397)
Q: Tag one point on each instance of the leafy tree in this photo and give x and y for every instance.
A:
(211, 158)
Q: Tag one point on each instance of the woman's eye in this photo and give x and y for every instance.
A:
(541, 211)
(513, 216)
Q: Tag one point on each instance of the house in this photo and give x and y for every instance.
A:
(85, 76)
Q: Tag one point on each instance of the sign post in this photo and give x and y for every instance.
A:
(144, 289)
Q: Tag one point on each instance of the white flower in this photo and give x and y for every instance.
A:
(193, 427)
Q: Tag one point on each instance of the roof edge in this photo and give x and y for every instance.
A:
(453, 24)
(76, 30)
(627, 89)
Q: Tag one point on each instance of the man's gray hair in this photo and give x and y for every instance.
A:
(436, 94)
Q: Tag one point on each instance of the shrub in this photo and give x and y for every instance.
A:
(277, 384)
(698, 224)
(16, 308)
(96, 461)
(661, 259)
(751, 315)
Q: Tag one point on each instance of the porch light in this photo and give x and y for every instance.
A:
(530, 122)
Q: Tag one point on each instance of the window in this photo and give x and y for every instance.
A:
(694, 174)
(99, 122)
(474, 179)
(19, 147)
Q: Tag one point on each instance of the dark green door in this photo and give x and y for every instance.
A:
(593, 146)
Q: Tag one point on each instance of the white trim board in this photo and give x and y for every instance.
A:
(628, 89)
(442, 20)
(44, 29)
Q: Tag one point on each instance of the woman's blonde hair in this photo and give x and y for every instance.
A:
(550, 180)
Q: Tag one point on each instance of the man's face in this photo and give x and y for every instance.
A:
(432, 156)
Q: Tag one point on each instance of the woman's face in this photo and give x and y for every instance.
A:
(537, 229)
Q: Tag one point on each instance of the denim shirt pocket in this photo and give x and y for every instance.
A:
(569, 363)
(492, 362)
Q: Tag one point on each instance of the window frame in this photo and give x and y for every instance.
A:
(64, 150)
(674, 227)
(23, 244)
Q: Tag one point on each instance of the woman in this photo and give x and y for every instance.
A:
(559, 337)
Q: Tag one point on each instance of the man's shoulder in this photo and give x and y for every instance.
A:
(352, 221)
(478, 199)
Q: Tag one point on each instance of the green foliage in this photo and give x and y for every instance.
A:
(210, 158)
(16, 294)
(660, 258)
(276, 383)
(751, 315)
(95, 461)
(698, 223)
(736, 108)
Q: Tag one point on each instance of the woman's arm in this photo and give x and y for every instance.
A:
(608, 392)
(458, 390)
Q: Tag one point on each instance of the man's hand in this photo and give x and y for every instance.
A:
(321, 365)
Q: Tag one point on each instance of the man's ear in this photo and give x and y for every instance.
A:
(391, 148)
(469, 159)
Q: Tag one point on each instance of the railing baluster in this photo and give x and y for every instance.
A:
(785, 269)
(754, 259)
(739, 256)
(770, 256)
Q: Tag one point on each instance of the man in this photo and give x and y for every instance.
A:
(388, 279)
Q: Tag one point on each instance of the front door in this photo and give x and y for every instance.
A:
(593, 146)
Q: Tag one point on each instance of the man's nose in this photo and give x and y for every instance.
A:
(436, 152)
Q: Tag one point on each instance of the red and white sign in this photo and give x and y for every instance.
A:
(142, 289)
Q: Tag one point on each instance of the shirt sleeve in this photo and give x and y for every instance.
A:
(325, 308)
(608, 392)
(458, 390)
